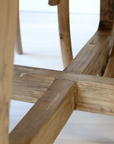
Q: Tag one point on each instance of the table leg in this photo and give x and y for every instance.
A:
(8, 24)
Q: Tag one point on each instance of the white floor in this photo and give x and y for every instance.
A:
(42, 49)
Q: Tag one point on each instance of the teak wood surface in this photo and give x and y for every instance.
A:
(56, 94)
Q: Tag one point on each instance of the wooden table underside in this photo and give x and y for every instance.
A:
(56, 94)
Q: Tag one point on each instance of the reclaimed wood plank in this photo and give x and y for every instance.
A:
(30, 83)
(37, 71)
(93, 94)
(47, 117)
(93, 56)
(8, 16)
(30, 87)
(95, 98)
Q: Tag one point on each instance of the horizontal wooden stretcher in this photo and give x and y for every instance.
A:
(85, 84)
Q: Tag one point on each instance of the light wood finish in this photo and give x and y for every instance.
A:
(8, 16)
(53, 2)
(64, 31)
(18, 44)
(109, 71)
(47, 117)
(36, 71)
(93, 57)
(94, 94)
(29, 87)
(95, 98)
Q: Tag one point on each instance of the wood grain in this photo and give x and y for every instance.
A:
(92, 59)
(47, 117)
(93, 94)
(109, 71)
(30, 87)
(64, 93)
(8, 23)
(29, 83)
(95, 98)
(93, 56)
(64, 31)
(37, 71)
(53, 2)
(18, 43)
(107, 11)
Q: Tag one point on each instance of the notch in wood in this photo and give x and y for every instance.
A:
(53, 2)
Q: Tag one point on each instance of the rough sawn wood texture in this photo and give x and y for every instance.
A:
(57, 94)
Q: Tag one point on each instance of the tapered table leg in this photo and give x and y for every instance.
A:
(8, 24)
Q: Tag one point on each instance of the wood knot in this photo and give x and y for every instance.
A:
(61, 36)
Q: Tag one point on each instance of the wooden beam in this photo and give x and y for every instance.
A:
(94, 94)
(93, 56)
(18, 44)
(95, 98)
(64, 31)
(8, 16)
(36, 71)
(53, 2)
(19, 70)
(29, 83)
(109, 71)
(29, 87)
(47, 117)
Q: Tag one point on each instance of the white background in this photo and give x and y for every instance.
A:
(76, 6)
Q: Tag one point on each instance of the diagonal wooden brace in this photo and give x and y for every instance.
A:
(47, 117)
(56, 93)
(67, 92)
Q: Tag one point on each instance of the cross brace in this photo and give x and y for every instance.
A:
(65, 92)
(92, 94)
(56, 94)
